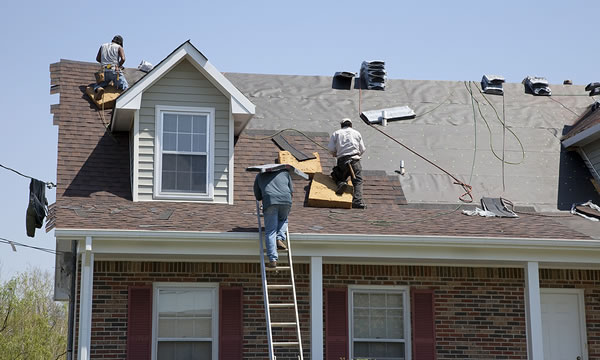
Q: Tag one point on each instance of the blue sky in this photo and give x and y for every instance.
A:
(427, 40)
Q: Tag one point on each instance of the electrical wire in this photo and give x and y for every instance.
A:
(563, 105)
(15, 243)
(490, 129)
(49, 184)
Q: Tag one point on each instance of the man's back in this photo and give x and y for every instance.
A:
(109, 54)
(345, 142)
(274, 188)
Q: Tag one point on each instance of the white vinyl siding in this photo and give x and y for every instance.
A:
(184, 86)
(591, 158)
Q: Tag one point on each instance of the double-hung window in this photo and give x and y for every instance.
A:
(380, 326)
(185, 322)
(184, 153)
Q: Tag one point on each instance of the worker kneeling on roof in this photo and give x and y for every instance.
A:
(112, 57)
(347, 146)
(275, 189)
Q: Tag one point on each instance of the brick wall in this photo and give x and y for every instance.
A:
(480, 312)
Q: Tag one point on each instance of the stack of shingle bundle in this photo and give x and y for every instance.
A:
(373, 74)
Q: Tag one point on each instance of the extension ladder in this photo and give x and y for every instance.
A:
(282, 304)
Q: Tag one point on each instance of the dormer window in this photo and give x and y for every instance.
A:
(183, 153)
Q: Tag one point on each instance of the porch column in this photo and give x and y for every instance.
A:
(533, 311)
(85, 304)
(316, 307)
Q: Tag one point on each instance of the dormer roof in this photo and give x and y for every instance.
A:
(241, 108)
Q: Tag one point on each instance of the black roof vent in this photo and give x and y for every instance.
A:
(373, 74)
(593, 88)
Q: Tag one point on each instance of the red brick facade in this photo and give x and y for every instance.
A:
(479, 312)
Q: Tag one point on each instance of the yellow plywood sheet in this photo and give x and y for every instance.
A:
(110, 95)
(322, 193)
(310, 167)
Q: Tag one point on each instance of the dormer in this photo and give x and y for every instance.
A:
(182, 118)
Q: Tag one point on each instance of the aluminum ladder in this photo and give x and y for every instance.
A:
(279, 305)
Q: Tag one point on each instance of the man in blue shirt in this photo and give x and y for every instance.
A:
(275, 189)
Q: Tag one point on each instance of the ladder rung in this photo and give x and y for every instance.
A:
(278, 268)
(287, 343)
(283, 324)
(279, 286)
(281, 305)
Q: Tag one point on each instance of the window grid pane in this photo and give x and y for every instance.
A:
(185, 320)
(378, 325)
(185, 153)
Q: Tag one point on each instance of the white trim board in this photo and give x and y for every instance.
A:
(363, 248)
(242, 108)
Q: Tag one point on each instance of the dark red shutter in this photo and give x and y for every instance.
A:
(336, 324)
(231, 332)
(139, 323)
(423, 325)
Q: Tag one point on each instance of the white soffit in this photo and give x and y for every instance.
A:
(242, 109)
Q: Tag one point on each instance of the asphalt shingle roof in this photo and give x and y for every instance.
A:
(94, 185)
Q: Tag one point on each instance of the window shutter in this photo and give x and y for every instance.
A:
(336, 324)
(423, 325)
(231, 333)
(139, 323)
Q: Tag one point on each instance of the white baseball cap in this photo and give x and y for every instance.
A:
(345, 120)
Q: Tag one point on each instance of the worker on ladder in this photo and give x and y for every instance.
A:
(275, 189)
(112, 57)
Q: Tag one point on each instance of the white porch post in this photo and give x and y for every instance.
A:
(85, 305)
(316, 307)
(533, 311)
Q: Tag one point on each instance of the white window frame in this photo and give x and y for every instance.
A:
(404, 290)
(182, 286)
(210, 156)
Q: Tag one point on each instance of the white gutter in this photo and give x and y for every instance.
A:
(593, 131)
(328, 239)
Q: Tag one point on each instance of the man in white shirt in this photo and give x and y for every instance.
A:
(111, 56)
(347, 146)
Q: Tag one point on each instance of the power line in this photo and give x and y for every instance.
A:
(49, 184)
(15, 243)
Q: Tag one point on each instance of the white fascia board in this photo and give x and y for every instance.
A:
(579, 139)
(331, 246)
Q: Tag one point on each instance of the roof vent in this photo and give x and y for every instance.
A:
(383, 115)
(492, 84)
(593, 88)
(537, 85)
(568, 82)
(373, 74)
(342, 80)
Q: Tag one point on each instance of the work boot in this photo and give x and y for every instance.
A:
(341, 187)
(281, 245)
(99, 93)
(272, 264)
(359, 206)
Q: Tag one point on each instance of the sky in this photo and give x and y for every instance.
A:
(421, 40)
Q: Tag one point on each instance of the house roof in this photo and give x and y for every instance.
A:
(93, 165)
(586, 127)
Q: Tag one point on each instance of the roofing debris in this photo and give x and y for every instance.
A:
(537, 85)
(492, 84)
(382, 115)
(283, 144)
(310, 167)
(373, 74)
(492, 207)
(587, 210)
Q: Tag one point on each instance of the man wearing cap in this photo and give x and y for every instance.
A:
(112, 57)
(275, 189)
(347, 146)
